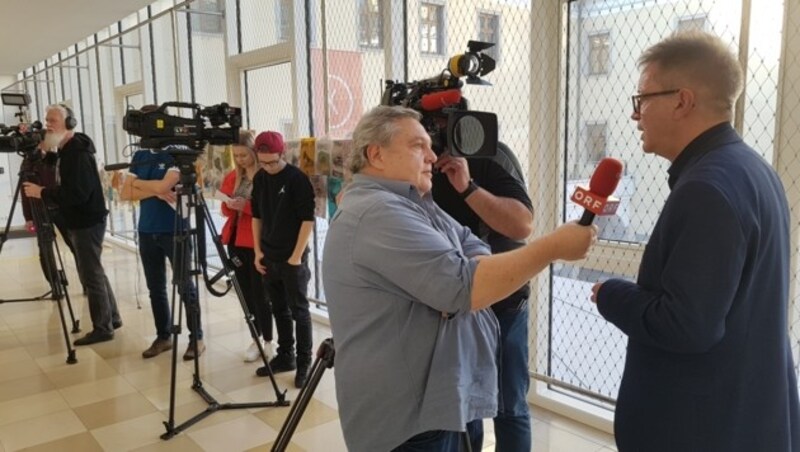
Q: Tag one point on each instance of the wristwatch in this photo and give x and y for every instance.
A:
(470, 189)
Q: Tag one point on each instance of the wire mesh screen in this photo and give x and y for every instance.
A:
(601, 74)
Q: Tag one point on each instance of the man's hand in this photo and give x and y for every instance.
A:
(32, 190)
(293, 261)
(169, 197)
(595, 289)
(456, 169)
(257, 262)
(571, 241)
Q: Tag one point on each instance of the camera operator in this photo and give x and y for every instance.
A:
(79, 197)
(488, 196)
(151, 180)
(33, 169)
(416, 350)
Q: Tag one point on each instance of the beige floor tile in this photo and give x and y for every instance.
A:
(179, 443)
(39, 430)
(31, 406)
(82, 372)
(327, 437)
(547, 437)
(20, 369)
(25, 386)
(114, 410)
(155, 372)
(239, 434)
(131, 434)
(315, 414)
(12, 355)
(96, 391)
(83, 442)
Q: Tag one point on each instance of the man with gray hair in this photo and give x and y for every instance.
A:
(407, 289)
(709, 364)
(79, 195)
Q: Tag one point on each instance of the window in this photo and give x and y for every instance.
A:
(284, 19)
(370, 24)
(208, 16)
(692, 23)
(599, 53)
(431, 28)
(592, 150)
(489, 31)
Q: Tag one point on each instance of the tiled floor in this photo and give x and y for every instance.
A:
(114, 400)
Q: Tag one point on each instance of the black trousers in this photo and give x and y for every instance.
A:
(287, 288)
(252, 284)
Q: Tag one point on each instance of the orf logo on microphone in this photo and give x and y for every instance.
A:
(594, 203)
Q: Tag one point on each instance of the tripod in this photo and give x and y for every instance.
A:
(187, 239)
(324, 360)
(50, 256)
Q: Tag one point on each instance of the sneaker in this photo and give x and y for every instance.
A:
(93, 337)
(189, 355)
(252, 354)
(283, 362)
(157, 347)
(300, 377)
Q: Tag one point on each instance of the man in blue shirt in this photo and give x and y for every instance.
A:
(151, 180)
(407, 287)
(709, 364)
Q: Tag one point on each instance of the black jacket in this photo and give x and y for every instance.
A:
(78, 192)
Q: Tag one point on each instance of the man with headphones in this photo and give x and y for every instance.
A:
(79, 195)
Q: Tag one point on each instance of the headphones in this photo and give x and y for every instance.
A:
(69, 120)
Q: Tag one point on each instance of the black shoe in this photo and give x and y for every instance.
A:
(283, 362)
(300, 377)
(93, 337)
(117, 325)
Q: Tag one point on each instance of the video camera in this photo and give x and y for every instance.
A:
(444, 112)
(217, 124)
(23, 138)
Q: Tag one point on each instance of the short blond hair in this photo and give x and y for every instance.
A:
(701, 60)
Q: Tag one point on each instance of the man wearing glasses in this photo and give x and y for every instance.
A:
(709, 365)
(283, 218)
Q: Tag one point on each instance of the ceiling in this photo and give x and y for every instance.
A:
(34, 30)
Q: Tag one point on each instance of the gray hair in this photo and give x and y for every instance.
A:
(377, 126)
(60, 107)
(700, 59)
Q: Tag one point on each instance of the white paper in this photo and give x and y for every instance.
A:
(222, 196)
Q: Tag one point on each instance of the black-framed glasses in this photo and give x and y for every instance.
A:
(637, 98)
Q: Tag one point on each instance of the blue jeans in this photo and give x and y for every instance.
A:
(88, 244)
(445, 441)
(155, 249)
(512, 426)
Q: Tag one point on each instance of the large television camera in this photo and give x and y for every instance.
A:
(23, 138)
(445, 114)
(217, 124)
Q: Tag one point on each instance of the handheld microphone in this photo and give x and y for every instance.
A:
(117, 166)
(597, 199)
(440, 99)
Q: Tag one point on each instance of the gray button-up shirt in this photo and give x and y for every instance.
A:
(410, 356)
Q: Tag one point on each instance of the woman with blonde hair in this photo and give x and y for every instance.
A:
(238, 236)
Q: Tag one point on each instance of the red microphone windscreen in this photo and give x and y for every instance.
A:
(438, 100)
(606, 177)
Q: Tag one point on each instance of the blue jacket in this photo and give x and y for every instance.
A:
(709, 365)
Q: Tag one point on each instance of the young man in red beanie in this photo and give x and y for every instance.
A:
(283, 218)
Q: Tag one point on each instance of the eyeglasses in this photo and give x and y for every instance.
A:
(268, 164)
(637, 99)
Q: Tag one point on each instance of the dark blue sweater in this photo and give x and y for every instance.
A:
(709, 365)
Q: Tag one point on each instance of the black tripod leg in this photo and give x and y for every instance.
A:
(324, 360)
